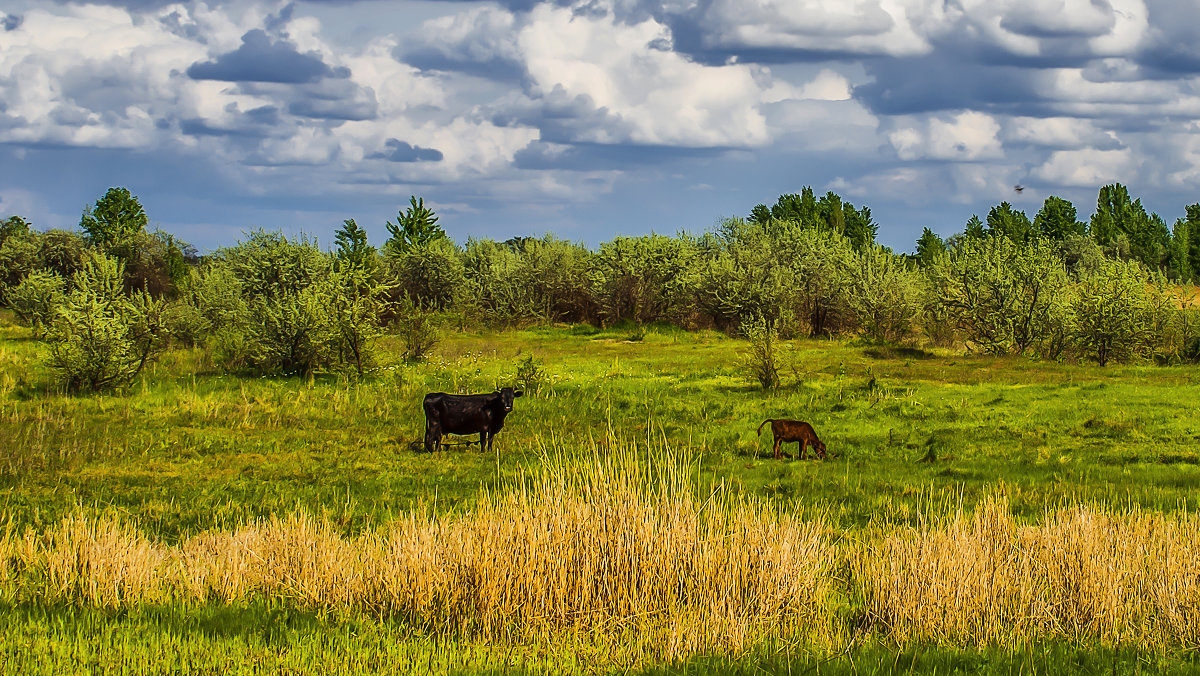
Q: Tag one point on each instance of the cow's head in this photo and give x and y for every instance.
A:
(819, 447)
(506, 397)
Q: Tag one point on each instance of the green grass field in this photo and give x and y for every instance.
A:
(916, 436)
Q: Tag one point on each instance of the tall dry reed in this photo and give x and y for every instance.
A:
(1083, 574)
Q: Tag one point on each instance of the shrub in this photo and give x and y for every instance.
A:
(35, 300)
(884, 295)
(1116, 318)
(416, 329)
(1003, 296)
(102, 338)
(761, 358)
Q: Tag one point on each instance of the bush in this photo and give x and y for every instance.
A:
(416, 328)
(1002, 296)
(102, 338)
(884, 295)
(1116, 316)
(761, 358)
(36, 299)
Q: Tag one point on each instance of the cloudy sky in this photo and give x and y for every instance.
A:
(591, 118)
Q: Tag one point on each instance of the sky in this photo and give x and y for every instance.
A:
(590, 119)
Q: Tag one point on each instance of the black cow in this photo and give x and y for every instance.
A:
(481, 414)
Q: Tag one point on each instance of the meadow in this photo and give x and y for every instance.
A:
(979, 513)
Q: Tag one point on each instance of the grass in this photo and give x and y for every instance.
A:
(926, 443)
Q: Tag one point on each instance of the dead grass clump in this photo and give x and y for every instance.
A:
(1082, 575)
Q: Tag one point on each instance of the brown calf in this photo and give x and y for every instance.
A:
(795, 430)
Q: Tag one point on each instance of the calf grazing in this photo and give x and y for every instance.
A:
(795, 430)
(481, 414)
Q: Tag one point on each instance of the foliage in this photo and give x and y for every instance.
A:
(644, 279)
(101, 338)
(35, 300)
(431, 274)
(353, 249)
(116, 215)
(416, 328)
(761, 358)
(355, 304)
(1117, 314)
(1120, 222)
(18, 256)
(1004, 220)
(1057, 220)
(1003, 297)
(415, 227)
(884, 295)
(269, 266)
(929, 247)
(61, 251)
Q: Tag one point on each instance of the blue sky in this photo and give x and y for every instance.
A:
(590, 119)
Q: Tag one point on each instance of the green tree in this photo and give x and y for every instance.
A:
(35, 299)
(1121, 221)
(13, 226)
(1057, 219)
(101, 337)
(115, 215)
(929, 247)
(416, 226)
(1179, 259)
(1004, 220)
(1114, 314)
(884, 295)
(1003, 296)
(353, 250)
(1192, 218)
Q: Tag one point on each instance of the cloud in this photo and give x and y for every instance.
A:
(399, 151)
(1088, 167)
(967, 136)
(261, 59)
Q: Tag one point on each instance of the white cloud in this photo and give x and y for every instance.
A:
(1067, 133)
(1088, 168)
(647, 95)
(967, 136)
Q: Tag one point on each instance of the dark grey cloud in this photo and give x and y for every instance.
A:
(254, 123)
(261, 59)
(935, 82)
(12, 22)
(399, 151)
(1173, 46)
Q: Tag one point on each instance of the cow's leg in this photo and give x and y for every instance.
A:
(485, 442)
(778, 442)
(804, 449)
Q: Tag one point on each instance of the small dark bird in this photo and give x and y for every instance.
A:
(1019, 188)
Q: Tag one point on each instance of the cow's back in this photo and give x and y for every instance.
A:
(460, 413)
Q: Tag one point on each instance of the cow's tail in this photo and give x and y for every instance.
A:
(764, 424)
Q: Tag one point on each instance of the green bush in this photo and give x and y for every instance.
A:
(1119, 313)
(102, 338)
(1001, 296)
(884, 295)
(36, 299)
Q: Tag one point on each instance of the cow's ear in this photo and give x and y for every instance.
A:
(518, 393)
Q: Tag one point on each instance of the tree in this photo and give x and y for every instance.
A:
(1179, 259)
(353, 249)
(1056, 220)
(1119, 219)
(929, 247)
(13, 226)
(1193, 221)
(1114, 316)
(115, 215)
(415, 227)
(1004, 220)
(101, 337)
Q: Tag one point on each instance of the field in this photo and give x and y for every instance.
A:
(978, 514)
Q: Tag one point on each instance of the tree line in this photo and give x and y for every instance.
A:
(110, 297)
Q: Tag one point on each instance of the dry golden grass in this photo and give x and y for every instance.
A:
(1083, 574)
(628, 550)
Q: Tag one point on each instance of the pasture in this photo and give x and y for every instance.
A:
(933, 447)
